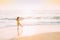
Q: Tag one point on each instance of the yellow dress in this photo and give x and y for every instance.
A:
(18, 22)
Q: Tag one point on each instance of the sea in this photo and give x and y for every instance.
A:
(30, 26)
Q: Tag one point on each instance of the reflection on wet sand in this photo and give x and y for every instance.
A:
(44, 36)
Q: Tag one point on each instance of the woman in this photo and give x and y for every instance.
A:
(18, 27)
(18, 21)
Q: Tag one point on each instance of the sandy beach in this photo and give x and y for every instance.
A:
(37, 32)
(44, 36)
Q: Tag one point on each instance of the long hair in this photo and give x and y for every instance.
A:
(17, 18)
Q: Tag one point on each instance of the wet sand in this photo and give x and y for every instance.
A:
(37, 32)
(42, 36)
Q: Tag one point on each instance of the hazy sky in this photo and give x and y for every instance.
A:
(31, 4)
(23, 7)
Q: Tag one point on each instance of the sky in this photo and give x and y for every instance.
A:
(30, 4)
(22, 7)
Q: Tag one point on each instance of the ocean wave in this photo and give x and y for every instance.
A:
(41, 23)
(39, 17)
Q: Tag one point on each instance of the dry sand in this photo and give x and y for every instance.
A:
(43, 36)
